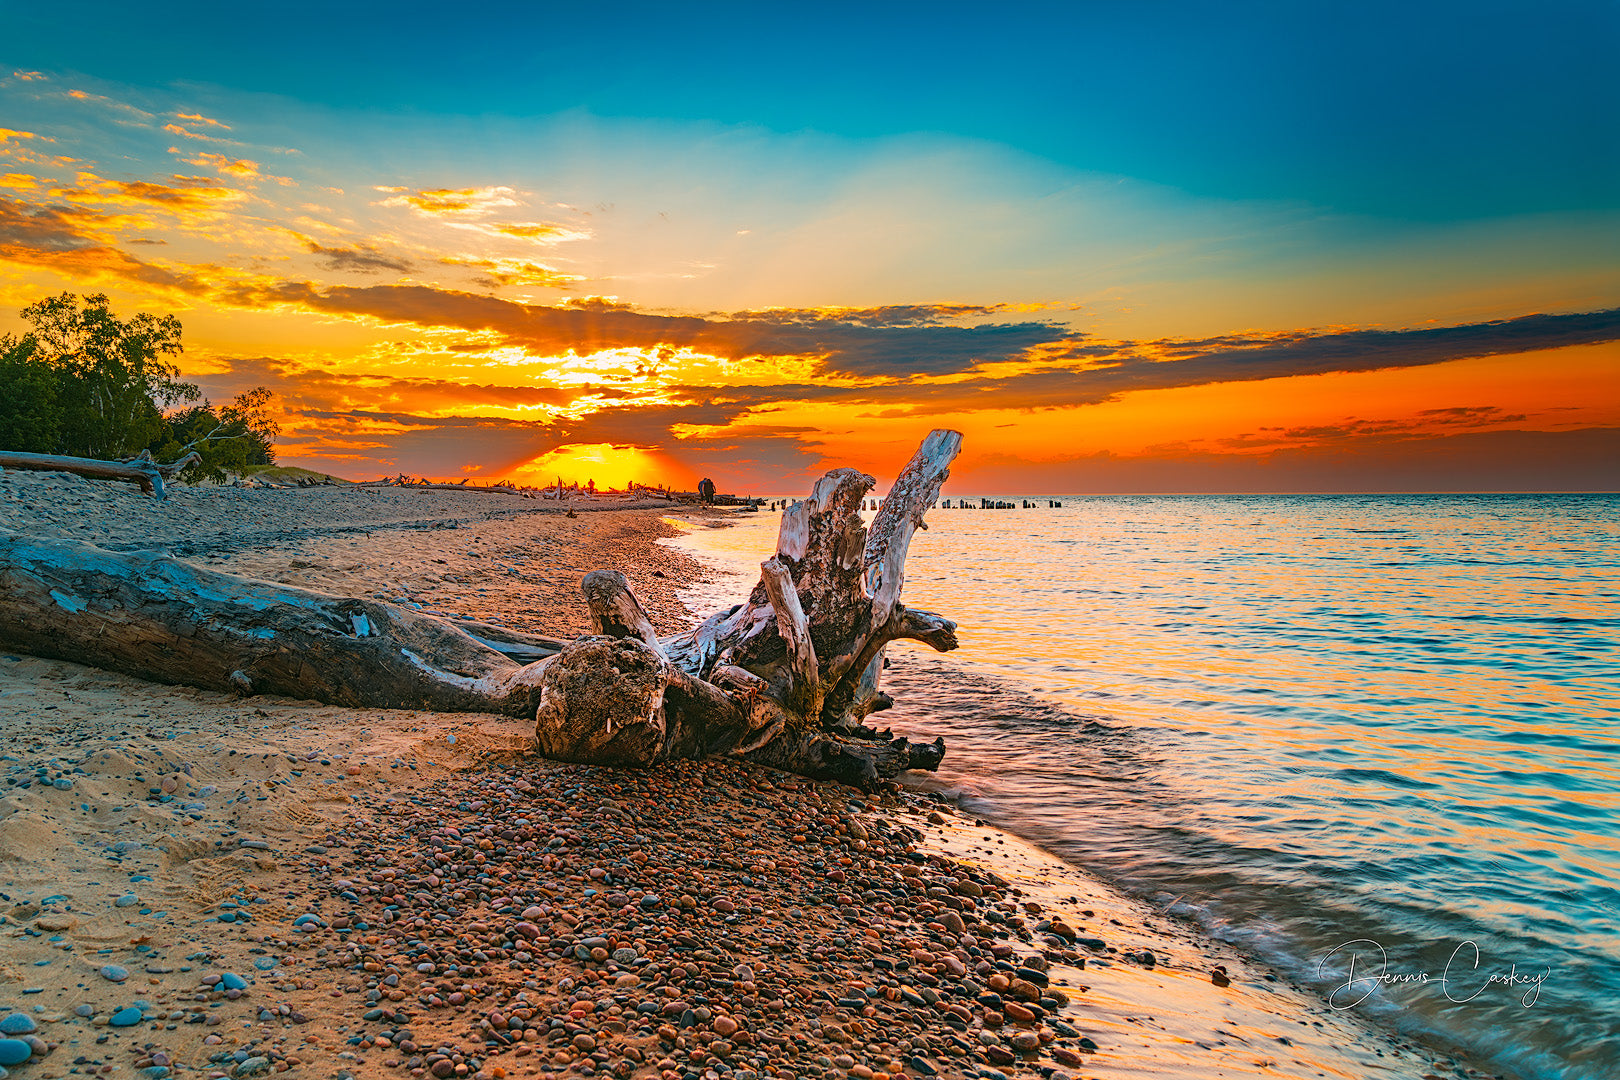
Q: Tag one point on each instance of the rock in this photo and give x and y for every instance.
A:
(935, 818)
(728, 1026)
(253, 1066)
(17, 1024)
(1018, 1012)
(230, 980)
(584, 1042)
(624, 955)
(125, 1017)
(1064, 1056)
(1218, 976)
(1022, 988)
(14, 1051)
(114, 973)
(922, 1065)
(127, 900)
(1025, 1041)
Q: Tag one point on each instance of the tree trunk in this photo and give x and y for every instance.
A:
(784, 678)
(140, 470)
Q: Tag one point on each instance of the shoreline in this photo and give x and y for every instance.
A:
(307, 817)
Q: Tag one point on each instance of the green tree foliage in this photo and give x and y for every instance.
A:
(227, 439)
(29, 415)
(86, 383)
(113, 376)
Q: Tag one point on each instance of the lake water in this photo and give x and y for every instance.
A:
(1305, 721)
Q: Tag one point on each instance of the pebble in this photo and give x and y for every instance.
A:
(253, 1066)
(127, 900)
(17, 1024)
(14, 1051)
(232, 981)
(114, 972)
(128, 1017)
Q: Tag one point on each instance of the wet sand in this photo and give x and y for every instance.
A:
(263, 885)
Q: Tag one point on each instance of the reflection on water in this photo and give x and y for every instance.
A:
(1305, 720)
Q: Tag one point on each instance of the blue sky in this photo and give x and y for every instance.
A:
(1426, 111)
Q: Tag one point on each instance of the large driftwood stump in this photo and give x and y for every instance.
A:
(785, 678)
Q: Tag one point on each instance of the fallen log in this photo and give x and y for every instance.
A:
(140, 470)
(785, 678)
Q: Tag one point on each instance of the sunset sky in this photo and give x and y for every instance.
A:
(1144, 246)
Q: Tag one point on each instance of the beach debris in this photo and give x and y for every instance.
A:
(785, 678)
(142, 469)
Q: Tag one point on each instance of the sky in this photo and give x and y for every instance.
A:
(1145, 246)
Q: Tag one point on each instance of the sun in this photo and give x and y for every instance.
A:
(608, 465)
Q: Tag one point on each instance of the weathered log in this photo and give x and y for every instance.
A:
(149, 615)
(140, 470)
(784, 678)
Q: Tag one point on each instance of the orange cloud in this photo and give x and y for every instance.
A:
(28, 76)
(500, 272)
(239, 167)
(8, 134)
(185, 193)
(187, 133)
(197, 118)
(455, 202)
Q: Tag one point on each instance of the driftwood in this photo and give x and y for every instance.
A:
(140, 470)
(785, 678)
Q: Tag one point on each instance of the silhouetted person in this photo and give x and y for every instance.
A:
(706, 490)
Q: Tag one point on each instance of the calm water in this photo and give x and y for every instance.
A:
(1304, 721)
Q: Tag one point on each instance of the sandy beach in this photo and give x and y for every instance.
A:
(195, 884)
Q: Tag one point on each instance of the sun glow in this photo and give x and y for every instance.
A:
(607, 465)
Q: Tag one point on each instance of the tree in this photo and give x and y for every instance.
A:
(113, 378)
(30, 417)
(227, 440)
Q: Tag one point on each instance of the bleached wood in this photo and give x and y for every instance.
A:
(615, 611)
(143, 470)
(145, 614)
(901, 514)
(802, 691)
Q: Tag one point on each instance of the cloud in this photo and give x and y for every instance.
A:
(844, 348)
(187, 133)
(1581, 459)
(42, 228)
(455, 202)
(198, 118)
(501, 272)
(360, 259)
(903, 355)
(184, 193)
(536, 231)
(130, 114)
(239, 167)
(1426, 423)
(55, 237)
(11, 134)
(28, 76)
